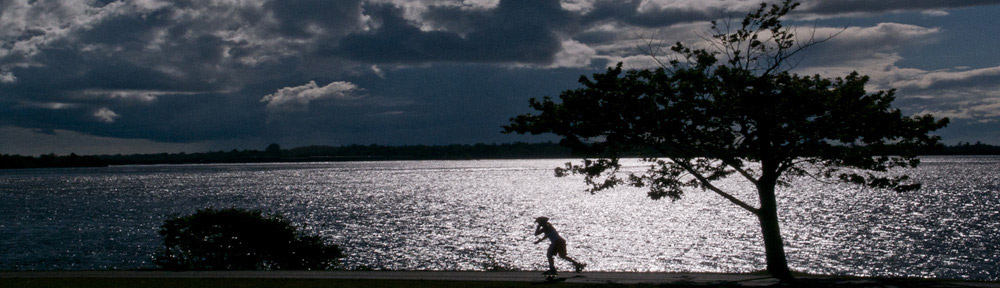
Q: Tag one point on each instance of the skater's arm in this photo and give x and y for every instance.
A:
(540, 230)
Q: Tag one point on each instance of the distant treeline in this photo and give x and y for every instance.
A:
(274, 153)
(965, 148)
(50, 160)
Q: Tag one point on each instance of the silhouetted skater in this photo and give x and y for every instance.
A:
(558, 245)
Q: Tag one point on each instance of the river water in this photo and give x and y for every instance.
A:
(478, 215)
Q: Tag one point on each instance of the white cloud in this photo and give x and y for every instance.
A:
(935, 13)
(573, 54)
(952, 78)
(141, 95)
(26, 27)
(870, 51)
(987, 108)
(48, 105)
(580, 6)
(144, 96)
(7, 77)
(976, 99)
(292, 99)
(106, 115)
(635, 62)
(888, 34)
(481, 4)
(652, 6)
(631, 44)
(959, 93)
(861, 42)
(378, 71)
(863, 8)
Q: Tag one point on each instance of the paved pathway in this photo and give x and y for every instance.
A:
(693, 279)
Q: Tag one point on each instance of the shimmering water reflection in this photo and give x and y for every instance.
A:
(476, 215)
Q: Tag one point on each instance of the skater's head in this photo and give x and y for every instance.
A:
(542, 220)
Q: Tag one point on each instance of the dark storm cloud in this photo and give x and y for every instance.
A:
(192, 71)
(123, 52)
(513, 32)
(175, 71)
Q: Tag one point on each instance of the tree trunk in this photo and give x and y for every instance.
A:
(774, 246)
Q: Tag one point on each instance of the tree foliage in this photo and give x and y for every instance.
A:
(236, 239)
(734, 109)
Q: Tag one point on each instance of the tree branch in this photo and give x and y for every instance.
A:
(742, 171)
(729, 162)
(708, 185)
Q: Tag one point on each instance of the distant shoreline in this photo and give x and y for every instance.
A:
(274, 153)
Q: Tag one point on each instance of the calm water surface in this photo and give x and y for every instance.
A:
(476, 215)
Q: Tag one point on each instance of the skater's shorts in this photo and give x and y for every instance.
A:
(558, 248)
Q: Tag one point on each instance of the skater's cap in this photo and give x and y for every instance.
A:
(542, 219)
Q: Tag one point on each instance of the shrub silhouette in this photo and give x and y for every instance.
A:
(237, 239)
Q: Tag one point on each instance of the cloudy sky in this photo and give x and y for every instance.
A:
(138, 76)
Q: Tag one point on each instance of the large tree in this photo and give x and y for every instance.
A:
(734, 109)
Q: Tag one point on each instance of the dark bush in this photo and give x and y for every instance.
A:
(237, 239)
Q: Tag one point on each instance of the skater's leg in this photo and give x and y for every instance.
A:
(550, 254)
(561, 251)
(567, 258)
